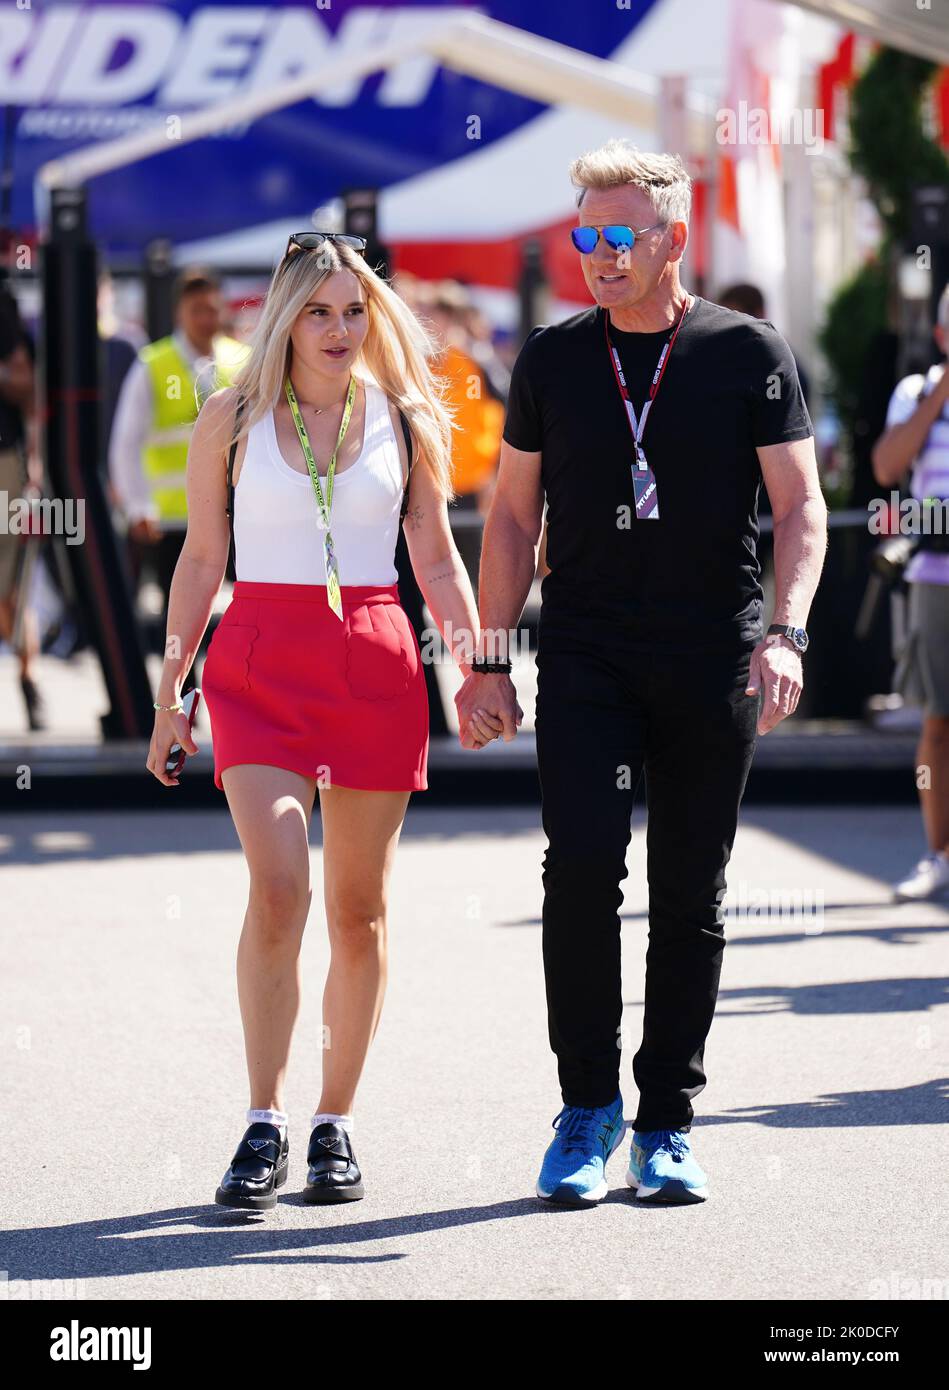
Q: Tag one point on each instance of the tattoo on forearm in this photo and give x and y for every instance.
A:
(446, 574)
(414, 517)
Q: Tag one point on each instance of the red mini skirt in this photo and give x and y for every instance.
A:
(289, 685)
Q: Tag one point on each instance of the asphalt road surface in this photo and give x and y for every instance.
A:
(823, 1128)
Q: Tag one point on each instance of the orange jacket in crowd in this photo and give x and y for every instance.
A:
(476, 443)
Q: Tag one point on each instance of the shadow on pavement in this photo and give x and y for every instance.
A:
(49, 837)
(895, 933)
(924, 1104)
(905, 995)
(129, 1245)
(900, 995)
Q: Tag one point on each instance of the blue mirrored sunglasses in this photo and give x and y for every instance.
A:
(619, 238)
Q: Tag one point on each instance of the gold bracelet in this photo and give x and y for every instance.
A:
(156, 705)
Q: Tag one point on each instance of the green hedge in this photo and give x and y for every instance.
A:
(891, 150)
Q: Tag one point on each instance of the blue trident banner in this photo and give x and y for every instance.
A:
(75, 74)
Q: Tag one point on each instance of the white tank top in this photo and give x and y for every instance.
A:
(277, 537)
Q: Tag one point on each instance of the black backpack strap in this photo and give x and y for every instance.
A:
(230, 477)
(408, 446)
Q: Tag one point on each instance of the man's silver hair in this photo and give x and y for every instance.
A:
(942, 310)
(662, 176)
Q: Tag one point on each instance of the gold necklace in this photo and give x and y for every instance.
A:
(318, 409)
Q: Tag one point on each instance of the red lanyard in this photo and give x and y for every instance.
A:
(638, 426)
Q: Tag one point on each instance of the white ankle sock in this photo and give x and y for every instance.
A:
(325, 1118)
(269, 1117)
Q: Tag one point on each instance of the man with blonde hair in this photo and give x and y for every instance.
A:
(648, 422)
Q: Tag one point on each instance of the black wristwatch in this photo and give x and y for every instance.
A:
(797, 635)
(491, 668)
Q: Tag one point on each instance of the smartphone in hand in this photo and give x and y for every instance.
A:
(176, 754)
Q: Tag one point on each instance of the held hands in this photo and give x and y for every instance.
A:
(487, 709)
(777, 669)
(171, 727)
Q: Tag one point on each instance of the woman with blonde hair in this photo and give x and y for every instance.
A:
(313, 677)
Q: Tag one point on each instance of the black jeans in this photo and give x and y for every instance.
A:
(605, 716)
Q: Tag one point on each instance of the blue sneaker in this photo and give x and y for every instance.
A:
(573, 1171)
(663, 1168)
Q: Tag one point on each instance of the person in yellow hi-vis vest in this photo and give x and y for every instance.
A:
(158, 404)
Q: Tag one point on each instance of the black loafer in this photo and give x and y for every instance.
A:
(257, 1169)
(333, 1174)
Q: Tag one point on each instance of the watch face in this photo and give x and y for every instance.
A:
(800, 639)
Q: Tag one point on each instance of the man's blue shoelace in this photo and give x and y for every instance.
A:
(672, 1140)
(578, 1128)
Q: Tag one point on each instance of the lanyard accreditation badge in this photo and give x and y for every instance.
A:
(333, 596)
(644, 480)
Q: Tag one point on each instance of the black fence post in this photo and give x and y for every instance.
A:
(69, 355)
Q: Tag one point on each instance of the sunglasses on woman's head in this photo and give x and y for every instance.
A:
(619, 238)
(311, 241)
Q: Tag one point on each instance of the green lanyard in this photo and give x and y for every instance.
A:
(333, 596)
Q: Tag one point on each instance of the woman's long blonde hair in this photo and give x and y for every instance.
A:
(395, 352)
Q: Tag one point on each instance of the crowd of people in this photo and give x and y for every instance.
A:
(152, 391)
(394, 403)
(150, 421)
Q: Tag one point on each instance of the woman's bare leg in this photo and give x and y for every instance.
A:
(29, 646)
(271, 808)
(360, 834)
(933, 753)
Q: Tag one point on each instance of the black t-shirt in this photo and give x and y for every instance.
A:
(691, 577)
